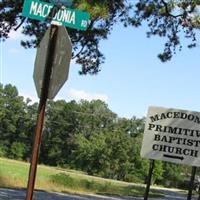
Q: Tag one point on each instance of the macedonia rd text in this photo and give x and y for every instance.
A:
(43, 10)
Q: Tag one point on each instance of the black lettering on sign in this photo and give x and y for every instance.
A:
(175, 115)
(175, 150)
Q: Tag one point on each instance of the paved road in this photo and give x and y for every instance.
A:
(10, 194)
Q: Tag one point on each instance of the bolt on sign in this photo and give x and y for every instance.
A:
(172, 135)
(40, 10)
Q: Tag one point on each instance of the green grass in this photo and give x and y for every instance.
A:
(14, 174)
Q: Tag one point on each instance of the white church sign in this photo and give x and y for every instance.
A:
(172, 135)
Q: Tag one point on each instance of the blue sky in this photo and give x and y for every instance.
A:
(131, 80)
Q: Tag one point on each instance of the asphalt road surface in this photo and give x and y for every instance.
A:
(10, 194)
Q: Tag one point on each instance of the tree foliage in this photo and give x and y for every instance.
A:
(170, 19)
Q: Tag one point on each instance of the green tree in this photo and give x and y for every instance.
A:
(158, 172)
(133, 126)
(94, 116)
(112, 151)
(120, 146)
(64, 121)
(59, 130)
(12, 126)
(91, 154)
(18, 150)
(27, 128)
(173, 20)
(170, 19)
(141, 165)
(3, 146)
(173, 174)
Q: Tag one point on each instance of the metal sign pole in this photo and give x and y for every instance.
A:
(41, 112)
(191, 186)
(151, 167)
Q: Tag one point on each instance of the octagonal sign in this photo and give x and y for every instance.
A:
(61, 62)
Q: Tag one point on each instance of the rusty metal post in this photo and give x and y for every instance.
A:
(151, 167)
(41, 111)
(191, 186)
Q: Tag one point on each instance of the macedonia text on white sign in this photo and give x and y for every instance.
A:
(172, 135)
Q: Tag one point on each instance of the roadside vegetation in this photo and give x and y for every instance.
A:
(84, 136)
(14, 174)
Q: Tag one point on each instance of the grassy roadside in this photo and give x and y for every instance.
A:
(14, 174)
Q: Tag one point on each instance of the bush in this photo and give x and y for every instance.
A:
(133, 178)
(63, 179)
(18, 150)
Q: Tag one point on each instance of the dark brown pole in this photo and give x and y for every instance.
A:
(151, 167)
(41, 111)
(191, 186)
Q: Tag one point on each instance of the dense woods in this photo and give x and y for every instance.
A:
(86, 136)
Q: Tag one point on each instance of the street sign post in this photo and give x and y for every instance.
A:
(60, 65)
(52, 61)
(72, 18)
(41, 110)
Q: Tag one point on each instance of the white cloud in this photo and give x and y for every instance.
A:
(33, 97)
(81, 94)
(73, 94)
(16, 35)
(14, 51)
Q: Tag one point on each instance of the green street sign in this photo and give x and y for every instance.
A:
(72, 18)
